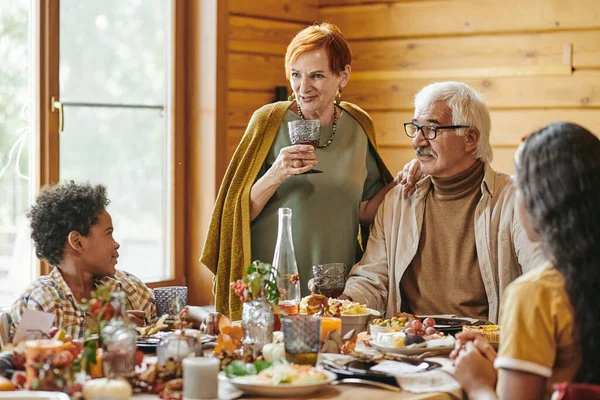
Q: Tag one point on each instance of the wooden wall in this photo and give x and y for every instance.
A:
(535, 61)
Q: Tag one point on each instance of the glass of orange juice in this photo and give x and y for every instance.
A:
(330, 324)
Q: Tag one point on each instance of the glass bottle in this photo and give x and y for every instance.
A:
(119, 337)
(284, 261)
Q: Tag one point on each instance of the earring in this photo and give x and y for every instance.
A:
(292, 97)
(338, 98)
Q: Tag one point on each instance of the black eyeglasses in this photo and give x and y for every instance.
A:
(429, 131)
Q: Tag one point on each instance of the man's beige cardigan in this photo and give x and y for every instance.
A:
(503, 250)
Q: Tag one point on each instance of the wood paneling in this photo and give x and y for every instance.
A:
(256, 71)
(338, 3)
(487, 51)
(261, 36)
(243, 104)
(582, 89)
(286, 10)
(462, 17)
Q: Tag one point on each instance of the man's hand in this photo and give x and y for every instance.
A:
(311, 286)
(137, 317)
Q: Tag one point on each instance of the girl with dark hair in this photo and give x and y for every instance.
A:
(550, 318)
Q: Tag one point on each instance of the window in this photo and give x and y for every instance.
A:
(113, 75)
(17, 180)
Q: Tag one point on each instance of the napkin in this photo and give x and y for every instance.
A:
(33, 324)
(436, 380)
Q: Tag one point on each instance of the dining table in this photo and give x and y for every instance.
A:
(347, 392)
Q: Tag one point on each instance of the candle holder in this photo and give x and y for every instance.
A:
(176, 347)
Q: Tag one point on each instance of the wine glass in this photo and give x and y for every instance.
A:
(306, 132)
(330, 279)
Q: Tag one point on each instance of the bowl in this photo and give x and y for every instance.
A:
(358, 322)
(376, 330)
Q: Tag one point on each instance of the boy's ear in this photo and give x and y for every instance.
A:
(74, 241)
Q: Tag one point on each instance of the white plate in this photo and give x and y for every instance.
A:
(409, 351)
(261, 389)
(31, 395)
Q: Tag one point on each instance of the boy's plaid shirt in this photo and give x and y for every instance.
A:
(52, 295)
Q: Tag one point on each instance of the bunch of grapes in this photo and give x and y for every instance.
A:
(417, 327)
(240, 289)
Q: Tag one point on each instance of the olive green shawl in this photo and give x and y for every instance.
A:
(226, 251)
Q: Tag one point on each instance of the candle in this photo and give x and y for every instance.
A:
(103, 388)
(330, 324)
(38, 351)
(200, 378)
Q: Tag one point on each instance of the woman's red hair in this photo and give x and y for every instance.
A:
(326, 36)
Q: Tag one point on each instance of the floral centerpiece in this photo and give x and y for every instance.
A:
(260, 282)
(259, 293)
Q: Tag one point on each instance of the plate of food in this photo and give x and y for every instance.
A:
(409, 335)
(148, 344)
(276, 380)
(490, 332)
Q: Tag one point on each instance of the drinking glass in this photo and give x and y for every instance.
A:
(305, 132)
(302, 338)
(330, 279)
(170, 300)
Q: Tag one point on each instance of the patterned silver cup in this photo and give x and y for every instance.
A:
(305, 131)
(170, 300)
(330, 279)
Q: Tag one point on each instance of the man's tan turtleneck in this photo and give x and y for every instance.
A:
(444, 277)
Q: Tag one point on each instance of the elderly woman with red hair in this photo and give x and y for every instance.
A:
(268, 172)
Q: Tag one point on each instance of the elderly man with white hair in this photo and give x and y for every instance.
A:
(456, 242)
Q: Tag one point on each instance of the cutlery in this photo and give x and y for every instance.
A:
(367, 382)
